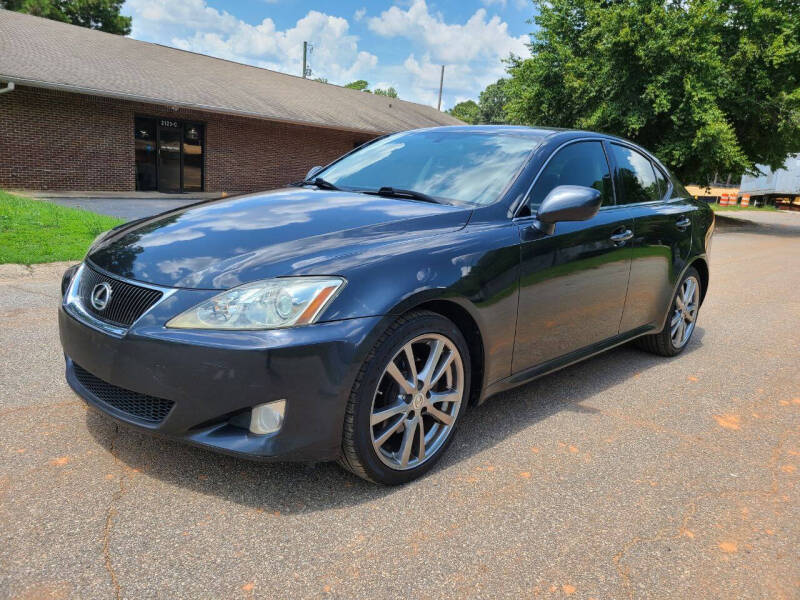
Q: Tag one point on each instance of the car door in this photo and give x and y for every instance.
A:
(573, 282)
(662, 226)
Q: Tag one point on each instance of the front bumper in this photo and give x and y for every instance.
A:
(211, 376)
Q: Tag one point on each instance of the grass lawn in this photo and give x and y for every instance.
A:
(36, 231)
(718, 208)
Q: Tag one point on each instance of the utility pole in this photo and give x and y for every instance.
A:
(305, 54)
(441, 83)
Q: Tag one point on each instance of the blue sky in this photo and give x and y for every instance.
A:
(399, 44)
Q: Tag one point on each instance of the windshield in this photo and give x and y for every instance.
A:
(458, 167)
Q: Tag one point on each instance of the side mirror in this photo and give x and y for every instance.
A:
(313, 171)
(567, 203)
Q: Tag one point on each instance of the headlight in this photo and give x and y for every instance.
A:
(267, 304)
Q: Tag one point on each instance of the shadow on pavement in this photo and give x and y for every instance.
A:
(299, 488)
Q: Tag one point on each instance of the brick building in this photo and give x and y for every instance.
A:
(87, 110)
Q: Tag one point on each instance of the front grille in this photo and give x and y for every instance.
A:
(139, 406)
(127, 302)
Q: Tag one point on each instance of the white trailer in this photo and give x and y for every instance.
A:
(783, 182)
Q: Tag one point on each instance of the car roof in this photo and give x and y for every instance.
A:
(523, 130)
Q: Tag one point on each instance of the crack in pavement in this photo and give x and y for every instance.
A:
(662, 535)
(110, 513)
(29, 271)
(33, 292)
(694, 439)
(691, 510)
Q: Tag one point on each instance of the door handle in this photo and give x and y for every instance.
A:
(622, 237)
(683, 223)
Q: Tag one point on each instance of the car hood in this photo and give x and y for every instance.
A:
(232, 241)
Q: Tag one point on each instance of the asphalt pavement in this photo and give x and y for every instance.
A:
(626, 476)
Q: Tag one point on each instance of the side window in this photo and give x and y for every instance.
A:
(661, 181)
(581, 163)
(635, 175)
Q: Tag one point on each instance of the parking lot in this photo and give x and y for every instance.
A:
(628, 475)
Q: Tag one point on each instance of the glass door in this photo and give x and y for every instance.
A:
(169, 156)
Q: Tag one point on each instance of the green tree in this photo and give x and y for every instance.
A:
(391, 92)
(94, 14)
(468, 111)
(360, 85)
(708, 85)
(492, 103)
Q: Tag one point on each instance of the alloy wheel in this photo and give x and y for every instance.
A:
(417, 401)
(684, 312)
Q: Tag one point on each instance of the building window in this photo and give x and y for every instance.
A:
(169, 155)
(192, 157)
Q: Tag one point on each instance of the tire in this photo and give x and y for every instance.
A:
(664, 342)
(387, 449)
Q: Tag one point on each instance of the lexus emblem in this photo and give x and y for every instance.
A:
(101, 296)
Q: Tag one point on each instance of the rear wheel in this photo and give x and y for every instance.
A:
(406, 400)
(681, 319)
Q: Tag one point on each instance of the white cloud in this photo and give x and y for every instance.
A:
(193, 25)
(500, 3)
(449, 43)
(157, 18)
(472, 51)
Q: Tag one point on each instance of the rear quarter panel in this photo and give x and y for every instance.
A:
(703, 226)
(660, 253)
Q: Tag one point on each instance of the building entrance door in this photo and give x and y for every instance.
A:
(169, 155)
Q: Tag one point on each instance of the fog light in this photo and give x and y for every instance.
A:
(267, 418)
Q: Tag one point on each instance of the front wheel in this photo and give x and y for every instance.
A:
(406, 400)
(681, 319)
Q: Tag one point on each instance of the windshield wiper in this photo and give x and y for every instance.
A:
(317, 181)
(396, 193)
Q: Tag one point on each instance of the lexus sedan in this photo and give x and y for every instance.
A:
(357, 314)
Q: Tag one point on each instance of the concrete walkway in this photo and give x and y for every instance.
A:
(123, 205)
(129, 195)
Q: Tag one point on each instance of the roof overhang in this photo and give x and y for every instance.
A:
(171, 103)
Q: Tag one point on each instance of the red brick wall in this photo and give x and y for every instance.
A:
(61, 141)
